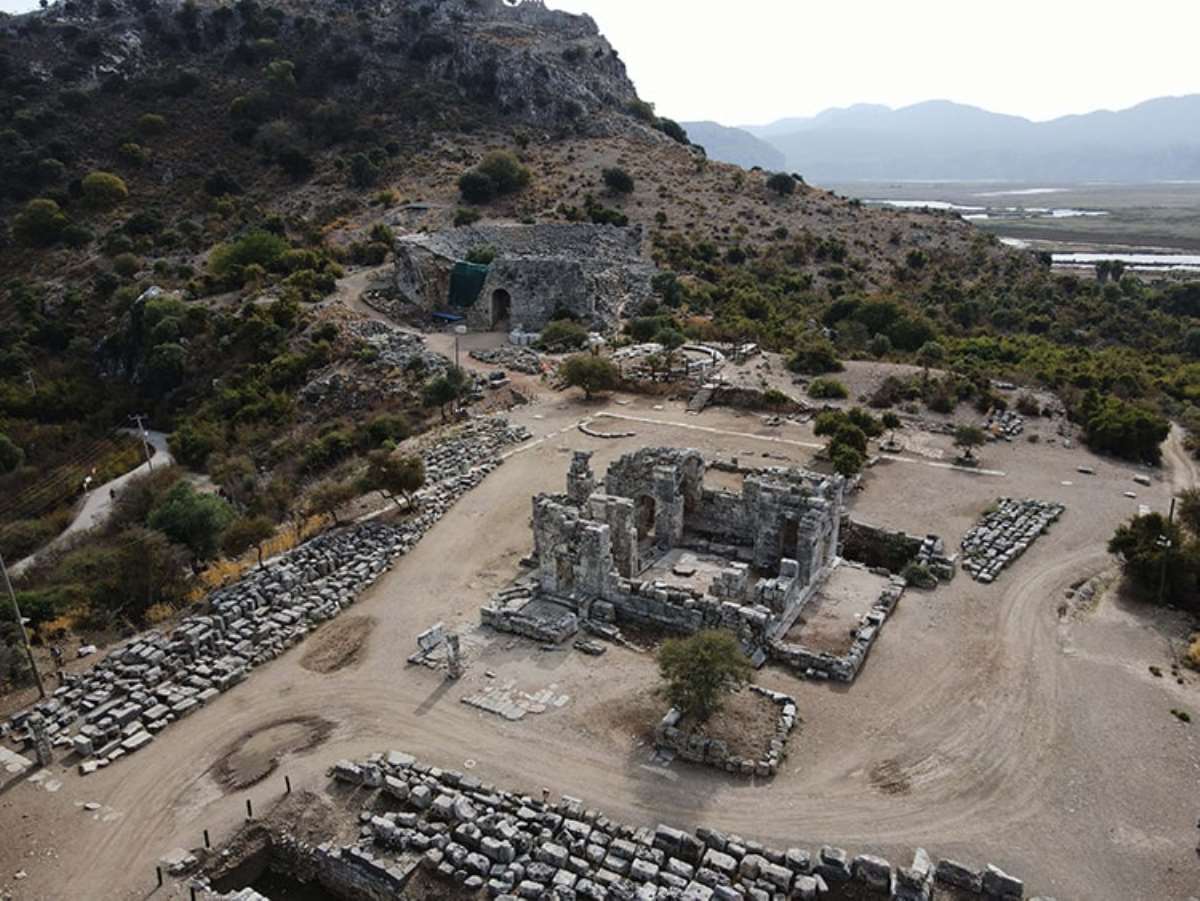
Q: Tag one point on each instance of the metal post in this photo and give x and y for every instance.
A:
(12, 596)
(158, 872)
(138, 417)
(287, 782)
(1165, 541)
(249, 810)
(207, 843)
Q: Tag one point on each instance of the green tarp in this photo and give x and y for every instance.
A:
(466, 282)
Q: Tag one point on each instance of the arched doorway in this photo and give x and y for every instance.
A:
(501, 309)
(646, 514)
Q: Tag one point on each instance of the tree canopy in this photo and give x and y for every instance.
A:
(592, 373)
(699, 670)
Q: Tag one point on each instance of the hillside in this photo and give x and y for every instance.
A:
(185, 186)
(939, 140)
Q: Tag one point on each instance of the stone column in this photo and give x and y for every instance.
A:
(581, 481)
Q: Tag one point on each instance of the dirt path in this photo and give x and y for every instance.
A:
(981, 728)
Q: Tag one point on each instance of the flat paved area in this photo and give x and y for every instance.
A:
(984, 727)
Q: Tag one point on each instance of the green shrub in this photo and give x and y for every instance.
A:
(151, 124)
(259, 247)
(562, 334)
(194, 440)
(40, 224)
(476, 187)
(11, 456)
(782, 184)
(498, 174)
(618, 180)
(126, 265)
(827, 389)
(815, 356)
(466, 216)
(591, 373)
(483, 254)
(103, 190)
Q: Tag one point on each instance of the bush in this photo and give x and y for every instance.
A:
(1113, 426)
(258, 247)
(918, 575)
(152, 124)
(192, 519)
(618, 180)
(40, 224)
(698, 670)
(482, 255)
(103, 190)
(498, 174)
(11, 456)
(466, 216)
(815, 356)
(395, 475)
(194, 440)
(782, 184)
(562, 334)
(592, 373)
(126, 265)
(827, 389)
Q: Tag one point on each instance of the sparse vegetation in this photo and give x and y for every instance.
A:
(698, 671)
(827, 389)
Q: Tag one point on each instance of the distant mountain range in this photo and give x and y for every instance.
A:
(940, 140)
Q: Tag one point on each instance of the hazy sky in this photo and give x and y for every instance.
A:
(753, 61)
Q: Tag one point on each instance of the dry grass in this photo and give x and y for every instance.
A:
(224, 571)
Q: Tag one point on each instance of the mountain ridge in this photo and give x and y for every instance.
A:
(1157, 139)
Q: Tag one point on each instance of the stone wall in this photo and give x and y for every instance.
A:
(479, 837)
(118, 706)
(893, 550)
(590, 271)
(819, 665)
(695, 747)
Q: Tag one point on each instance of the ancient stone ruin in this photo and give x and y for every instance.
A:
(654, 547)
(480, 840)
(1004, 534)
(591, 272)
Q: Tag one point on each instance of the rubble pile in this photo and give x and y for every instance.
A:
(404, 350)
(517, 359)
(117, 707)
(1004, 424)
(1005, 534)
(507, 846)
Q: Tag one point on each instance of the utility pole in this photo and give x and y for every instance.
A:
(12, 596)
(1164, 542)
(138, 417)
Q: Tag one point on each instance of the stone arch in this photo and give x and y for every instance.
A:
(501, 308)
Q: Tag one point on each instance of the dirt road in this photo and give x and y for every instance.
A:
(982, 728)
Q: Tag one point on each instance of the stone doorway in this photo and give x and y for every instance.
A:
(789, 537)
(501, 309)
(647, 511)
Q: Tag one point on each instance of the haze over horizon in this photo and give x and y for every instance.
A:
(760, 61)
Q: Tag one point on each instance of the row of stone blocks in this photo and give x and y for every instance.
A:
(509, 845)
(117, 706)
(694, 747)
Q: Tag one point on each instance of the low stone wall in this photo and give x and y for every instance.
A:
(819, 665)
(893, 550)
(119, 705)
(694, 747)
(506, 845)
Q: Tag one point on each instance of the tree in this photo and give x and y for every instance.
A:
(969, 437)
(892, 422)
(782, 184)
(395, 475)
(103, 190)
(328, 496)
(245, 533)
(1189, 510)
(11, 456)
(827, 389)
(257, 247)
(618, 180)
(697, 670)
(815, 356)
(445, 389)
(591, 373)
(505, 171)
(880, 345)
(190, 518)
(1156, 555)
(40, 224)
(930, 354)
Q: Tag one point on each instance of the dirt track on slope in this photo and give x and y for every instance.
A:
(1046, 748)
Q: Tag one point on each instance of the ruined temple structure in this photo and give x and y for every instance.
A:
(591, 272)
(653, 546)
